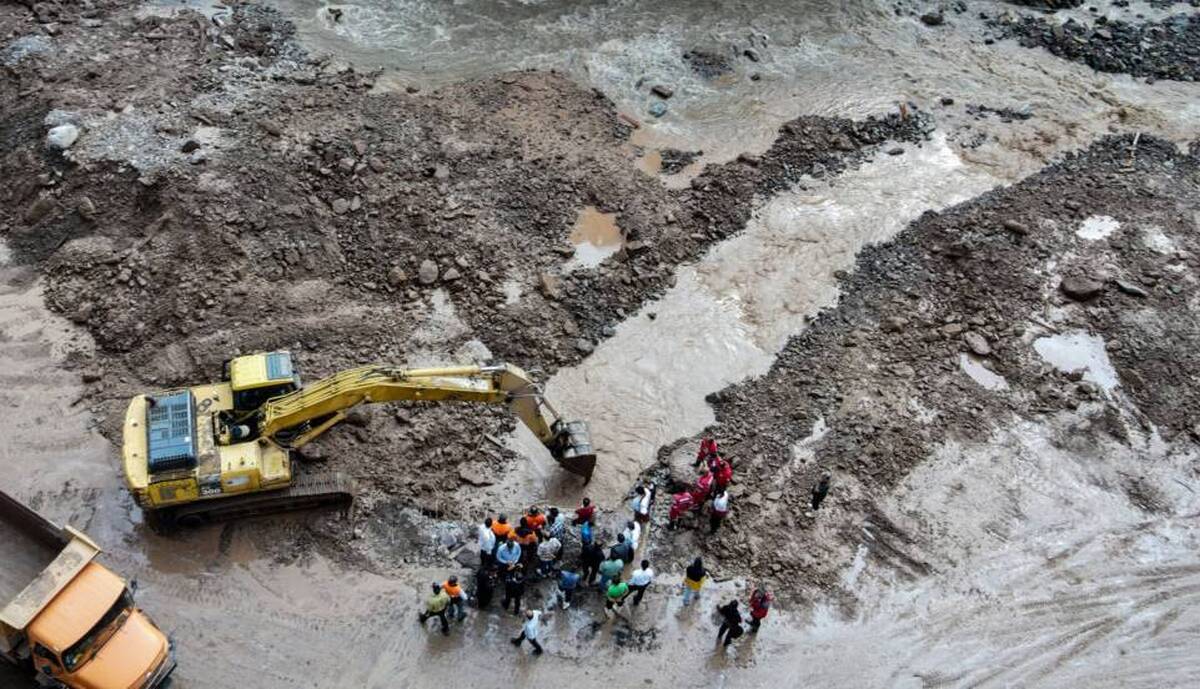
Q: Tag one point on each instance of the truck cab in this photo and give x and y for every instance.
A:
(92, 636)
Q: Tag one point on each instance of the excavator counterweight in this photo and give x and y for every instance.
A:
(214, 451)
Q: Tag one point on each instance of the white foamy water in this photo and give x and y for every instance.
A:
(1076, 351)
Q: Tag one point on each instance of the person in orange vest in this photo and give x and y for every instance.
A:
(528, 540)
(502, 528)
(535, 520)
(458, 598)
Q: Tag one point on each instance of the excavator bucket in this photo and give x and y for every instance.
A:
(572, 448)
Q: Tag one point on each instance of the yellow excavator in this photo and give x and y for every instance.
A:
(224, 450)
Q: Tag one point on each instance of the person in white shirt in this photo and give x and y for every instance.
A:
(530, 631)
(720, 510)
(632, 533)
(640, 580)
(487, 543)
(640, 503)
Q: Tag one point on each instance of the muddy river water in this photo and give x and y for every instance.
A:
(1056, 580)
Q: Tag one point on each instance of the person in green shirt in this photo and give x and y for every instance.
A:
(615, 596)
(436, 606)
(610, 569)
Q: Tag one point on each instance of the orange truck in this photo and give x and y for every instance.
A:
(67, 618)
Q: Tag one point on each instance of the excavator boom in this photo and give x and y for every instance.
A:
(299, 417)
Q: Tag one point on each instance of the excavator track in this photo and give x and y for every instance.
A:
(307, 492)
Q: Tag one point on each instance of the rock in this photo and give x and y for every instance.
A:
(189, 146)
(474, 475)
(376, 164)
(340, 206)
(977, 343)
(1081, 289)
(197, 157)
(895, 151)
(584, 346)
(550, 285)
(271, 127)
(39, 209)
(663, 91)
(452, 275)
(360, 146)
(946, 100)
(86, 208)
(428, 272)
(1015, 227)
(953, 329)
(893, 324)
(396, 276)
(657, 109)
(62, 137)
(1131, 289)
(752, 55)
(933, 18)
(92, 375)
(358, 418)
(441, 172)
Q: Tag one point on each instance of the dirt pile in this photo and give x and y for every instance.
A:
(950, 330)
(1168, 49)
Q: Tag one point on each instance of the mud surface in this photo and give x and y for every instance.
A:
(955, 272)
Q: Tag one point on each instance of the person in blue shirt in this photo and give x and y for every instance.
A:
(568, 581)
(509, 554)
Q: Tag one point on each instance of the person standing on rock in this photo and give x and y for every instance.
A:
(585, 513)
(591, 557)
(514, 589)
(487, 543)
(640, 504)
(722, 474)
(632, 534)
(614, 596)
(760, 605)
(718, 511)
(639, 581)
(610, 569)
(529, 632)
(435, 606)
(731, 623)
(708, 449)
(693, 580)
(458, 598)
(556, 524)
(508, 555)
(820, 490)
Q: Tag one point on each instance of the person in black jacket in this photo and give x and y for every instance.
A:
(623, 550)
(514, 589)
(592, 556)
(485, 586)
(731, 622)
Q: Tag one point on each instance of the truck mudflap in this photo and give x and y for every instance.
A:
(161, 676)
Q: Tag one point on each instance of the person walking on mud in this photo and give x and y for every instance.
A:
(514, 589)
(458, 598)
(639, 581)
(731, 623)
(610, 569)
(819, 491)
(568, 582)
(693, 580)
(529, 632)
(622, 550)
(435, 606)
(485, 586)
(760, 605)
(614, 596)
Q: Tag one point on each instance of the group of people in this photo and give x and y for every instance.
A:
(533, 548)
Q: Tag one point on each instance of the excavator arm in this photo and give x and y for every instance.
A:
(296, 418)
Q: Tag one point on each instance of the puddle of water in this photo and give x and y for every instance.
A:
(1097, 227)
(974, 368)
(650, 163)
(596, 236)
(1077, 350)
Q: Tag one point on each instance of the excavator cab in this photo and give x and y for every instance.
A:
(256, 378)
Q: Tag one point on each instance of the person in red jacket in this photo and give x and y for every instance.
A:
(703, 489)
(723, 475)
(585, 512)
(760, 605)
(708, 450)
